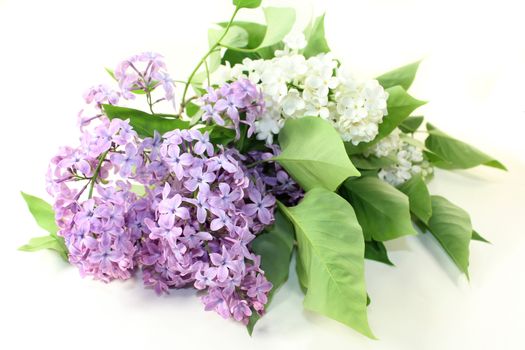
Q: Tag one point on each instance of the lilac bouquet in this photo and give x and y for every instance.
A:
(280, 149)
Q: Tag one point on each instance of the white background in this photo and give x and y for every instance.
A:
(473, 75)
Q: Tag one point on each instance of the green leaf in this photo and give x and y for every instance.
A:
(313, 153)
(402, 76)
(477, 237)
(331, 254)
(375, 250)
(371, 162)
(279, 22)
(411, 124)
(255, 31)
(42, 212)
(219, 135)
(192, 109)
(144, 123)
(236, 37)
(400, 105)
(236, 57)
(111, 73)
(51, 242)
(383, 211)
(315, 36)
(45, 218)
(248, 4)
(455, 154)
(418, 197)
(452, 228)
(275, 247)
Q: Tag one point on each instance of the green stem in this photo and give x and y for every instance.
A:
(212, 48)
(95, 174)
(148, 98)
(207, 72)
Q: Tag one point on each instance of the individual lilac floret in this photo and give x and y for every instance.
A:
(232, 105)
(204, 214)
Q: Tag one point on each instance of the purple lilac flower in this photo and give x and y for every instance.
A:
(233, 104)
(212, 252)
(201, 208)
(144, 72)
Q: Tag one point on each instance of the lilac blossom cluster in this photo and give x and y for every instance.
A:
(233, 104)
(139, 74)
(98, 216)
(193, 226)
(203, 219)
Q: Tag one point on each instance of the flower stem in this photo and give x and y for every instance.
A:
(212, 48)
(95, 174)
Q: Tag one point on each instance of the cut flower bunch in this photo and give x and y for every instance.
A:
(273, 148)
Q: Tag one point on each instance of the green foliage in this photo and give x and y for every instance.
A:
(316, 40)
(477, 237)
(111, 73)
(235, 37)
(275, 247)
(418, 197)
(371, 162)
(219, 135)
(402, 76)
(331, 258)
(255, 31)
(400, 105)
(411, 124)
(383, 211)
(45, 218)
(451, 227)
(450, 153)
(144, 123)
(51, 242)
(249, 4)
(313, 153)
(279, 22)
(375, 250)
(42, 212)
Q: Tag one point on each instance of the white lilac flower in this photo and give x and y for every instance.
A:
(360, 106)
(295, 40)
(292, 103)
(267, 126)
(294, 86)
(408, 158)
